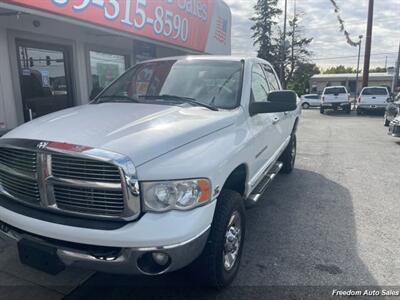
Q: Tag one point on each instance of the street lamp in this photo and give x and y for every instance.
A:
(358, 68)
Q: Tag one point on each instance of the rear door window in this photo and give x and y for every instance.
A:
(375, 92)
(335, 91)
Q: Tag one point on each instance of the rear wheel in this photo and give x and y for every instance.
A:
(305, 105)
(219, 262)
(386, 121)
(321, 110)
(288, 157)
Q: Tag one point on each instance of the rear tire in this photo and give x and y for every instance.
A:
(386, 121)
(288, 157)
(321, 110)
(305, 105)
(219, 263)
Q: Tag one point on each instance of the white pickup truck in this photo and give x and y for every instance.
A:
(373, 98)
(335, 97)
(154, 174)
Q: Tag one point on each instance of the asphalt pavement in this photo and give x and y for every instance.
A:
(331, 224)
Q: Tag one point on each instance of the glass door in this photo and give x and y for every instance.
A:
(44, 77)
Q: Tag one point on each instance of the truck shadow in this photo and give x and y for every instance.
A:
(301, 239)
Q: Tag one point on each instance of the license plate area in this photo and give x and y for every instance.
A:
(40, 257)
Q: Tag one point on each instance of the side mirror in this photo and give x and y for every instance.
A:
(278, 101)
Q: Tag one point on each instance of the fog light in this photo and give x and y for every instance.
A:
(160, 258)
(153, 263)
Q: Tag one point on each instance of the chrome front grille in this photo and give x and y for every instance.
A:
(84, 169)
(21, 160)
(89, 200)
(69, 178)
(21, 188)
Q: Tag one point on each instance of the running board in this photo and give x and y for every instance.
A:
(263, 185)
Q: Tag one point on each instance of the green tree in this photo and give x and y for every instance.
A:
(378, 70)
(266, 12)
(300, 81)
(339, 70)
(296, 49)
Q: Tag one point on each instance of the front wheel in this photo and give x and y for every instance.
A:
(288, 157)
(321, 110)
(305, 105)
(220, 260)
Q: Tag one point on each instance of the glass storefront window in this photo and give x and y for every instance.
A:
(104, 69)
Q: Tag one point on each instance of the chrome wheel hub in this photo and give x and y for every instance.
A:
(233, 236)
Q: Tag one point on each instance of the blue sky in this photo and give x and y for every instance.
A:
(319, 21)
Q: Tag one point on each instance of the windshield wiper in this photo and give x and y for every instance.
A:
(120, 98)
(180, 99)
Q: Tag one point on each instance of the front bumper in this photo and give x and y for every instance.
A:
(394, 129)
(115, 260)
(180, 235)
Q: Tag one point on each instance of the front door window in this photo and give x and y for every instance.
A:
(45, 81)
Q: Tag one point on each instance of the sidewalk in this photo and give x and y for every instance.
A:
(21, 282)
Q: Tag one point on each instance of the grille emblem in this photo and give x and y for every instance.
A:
(42, 145)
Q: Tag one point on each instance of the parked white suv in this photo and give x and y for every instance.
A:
(335, 97)
(154, 174)
(310, 100)
(373, 99)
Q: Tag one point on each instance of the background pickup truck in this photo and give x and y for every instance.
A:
(335, 97)
(154, 174)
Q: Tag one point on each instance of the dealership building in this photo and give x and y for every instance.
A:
(56, 54)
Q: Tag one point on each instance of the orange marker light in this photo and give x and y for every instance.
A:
(205, 189)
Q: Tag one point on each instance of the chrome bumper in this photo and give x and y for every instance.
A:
(394, 129)
(371, 107)
(116, 260)
(335, 104)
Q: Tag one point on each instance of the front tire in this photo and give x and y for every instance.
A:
(288, 157)
(321, 110)
(305, 105)
(220, 260)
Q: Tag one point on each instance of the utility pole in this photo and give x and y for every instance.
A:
(368, 40)
(284, 48)
(396, 73)
(358, 68)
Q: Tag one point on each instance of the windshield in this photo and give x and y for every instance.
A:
(213, 83)
(375, 91)
(335, 91)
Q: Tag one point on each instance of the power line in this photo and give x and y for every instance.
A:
(353, 56)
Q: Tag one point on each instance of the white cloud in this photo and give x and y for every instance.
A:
(320, 23)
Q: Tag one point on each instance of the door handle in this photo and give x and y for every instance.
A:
(275, 120)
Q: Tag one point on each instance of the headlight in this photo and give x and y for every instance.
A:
(181, 195)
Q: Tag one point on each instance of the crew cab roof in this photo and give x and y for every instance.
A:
(205, 57)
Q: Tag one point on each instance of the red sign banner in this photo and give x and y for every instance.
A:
(184, 23)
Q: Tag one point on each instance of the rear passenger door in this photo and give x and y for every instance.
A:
(283, 121)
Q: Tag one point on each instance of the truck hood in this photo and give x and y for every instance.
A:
(141, 131)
